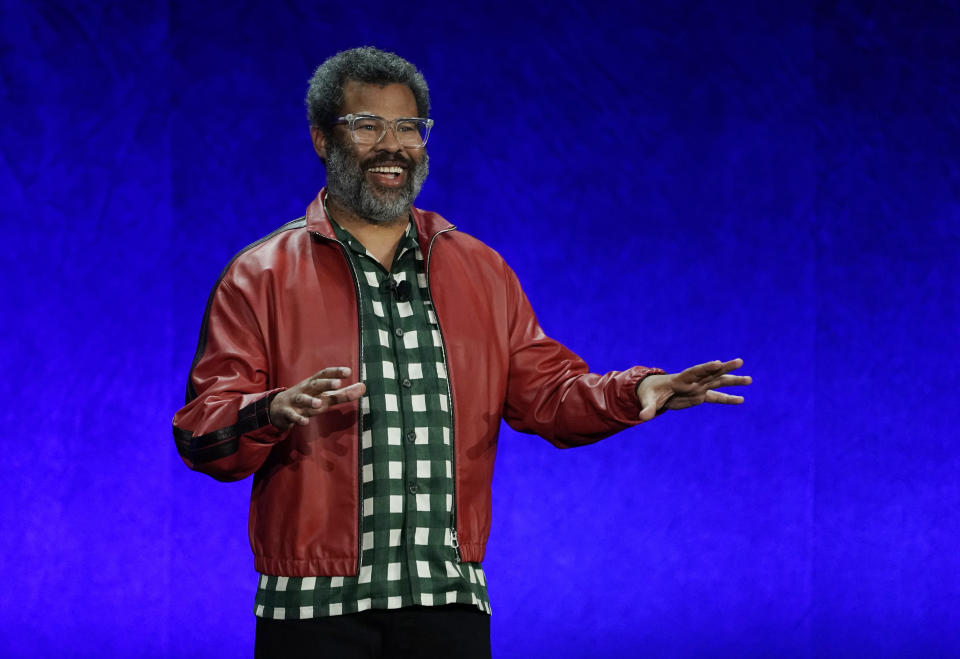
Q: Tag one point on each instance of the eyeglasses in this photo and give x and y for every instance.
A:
(368, 129)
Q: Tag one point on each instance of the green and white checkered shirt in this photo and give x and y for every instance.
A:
(408, 556)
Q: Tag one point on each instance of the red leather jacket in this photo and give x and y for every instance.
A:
(286, 306)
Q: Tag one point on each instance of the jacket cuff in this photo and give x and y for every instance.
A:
(253, 423)
(257, 417)
(627, 397)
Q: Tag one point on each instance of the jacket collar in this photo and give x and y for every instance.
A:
(428, 224)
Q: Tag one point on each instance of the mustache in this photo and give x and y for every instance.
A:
(387, 159)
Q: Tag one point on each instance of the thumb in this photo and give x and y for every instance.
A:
(648, 406)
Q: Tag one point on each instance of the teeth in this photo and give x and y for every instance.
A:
(387, 170)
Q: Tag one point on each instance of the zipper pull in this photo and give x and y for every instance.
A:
(456, 544)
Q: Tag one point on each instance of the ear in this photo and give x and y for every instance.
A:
(319, 142)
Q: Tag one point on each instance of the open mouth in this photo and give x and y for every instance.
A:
(387, 175)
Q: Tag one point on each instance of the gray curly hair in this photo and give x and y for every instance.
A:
(366, 64)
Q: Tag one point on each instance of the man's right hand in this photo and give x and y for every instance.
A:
(317, 393)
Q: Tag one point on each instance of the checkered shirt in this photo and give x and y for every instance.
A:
(407, 486)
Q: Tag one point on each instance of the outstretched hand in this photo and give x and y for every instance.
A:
(695, 385)
(317, 393)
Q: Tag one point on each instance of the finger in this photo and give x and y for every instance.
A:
(649, 405)
(729, 381)
(731, 365)
(326, 380)
(648, 413)
(725, 367)
(332, 372)
(345, 395)
(714, 369)
(303, 401)
(293, 417)
(701, 371)
(315, 386)
(720, 397)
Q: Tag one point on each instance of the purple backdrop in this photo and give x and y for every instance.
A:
(673, 183)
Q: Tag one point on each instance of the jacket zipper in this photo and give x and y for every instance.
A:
(446, 365)
(356, 289)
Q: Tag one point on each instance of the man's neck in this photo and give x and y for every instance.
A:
(379, 238)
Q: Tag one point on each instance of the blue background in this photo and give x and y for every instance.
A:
(673, 182)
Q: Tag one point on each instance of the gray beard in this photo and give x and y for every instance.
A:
(347, 184)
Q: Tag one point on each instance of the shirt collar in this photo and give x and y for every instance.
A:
(407, 241)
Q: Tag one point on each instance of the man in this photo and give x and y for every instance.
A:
(358, 361)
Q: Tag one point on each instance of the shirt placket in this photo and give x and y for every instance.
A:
(416, 495)
(384, 557)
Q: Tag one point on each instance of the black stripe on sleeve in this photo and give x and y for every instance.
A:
(225, 441)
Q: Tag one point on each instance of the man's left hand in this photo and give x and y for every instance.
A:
(695, 385)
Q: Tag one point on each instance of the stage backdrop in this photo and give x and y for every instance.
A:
(674, 182)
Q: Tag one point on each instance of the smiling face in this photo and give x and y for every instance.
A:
(378, 182)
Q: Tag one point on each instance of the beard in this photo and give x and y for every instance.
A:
(348, 185)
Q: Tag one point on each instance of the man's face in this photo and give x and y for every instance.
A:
(355, 176)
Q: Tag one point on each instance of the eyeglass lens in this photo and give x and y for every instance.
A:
(369, 130)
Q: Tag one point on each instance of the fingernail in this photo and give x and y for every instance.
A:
(334, 383)
(345, 371)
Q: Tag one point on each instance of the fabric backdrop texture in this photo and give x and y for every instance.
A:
(673, 182)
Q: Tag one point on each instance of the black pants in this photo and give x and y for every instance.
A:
(416, 632)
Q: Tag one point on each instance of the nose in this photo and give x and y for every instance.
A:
(389, 141)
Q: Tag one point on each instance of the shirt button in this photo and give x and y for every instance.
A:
(411, 436)
(398, 331)
(405, 382)
(413, 487)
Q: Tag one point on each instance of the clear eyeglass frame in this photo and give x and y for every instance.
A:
(421, 128)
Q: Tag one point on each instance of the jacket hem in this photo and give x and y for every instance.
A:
(345, 566)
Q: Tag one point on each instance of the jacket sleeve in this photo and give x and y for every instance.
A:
(224, 429)
(551, 391)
